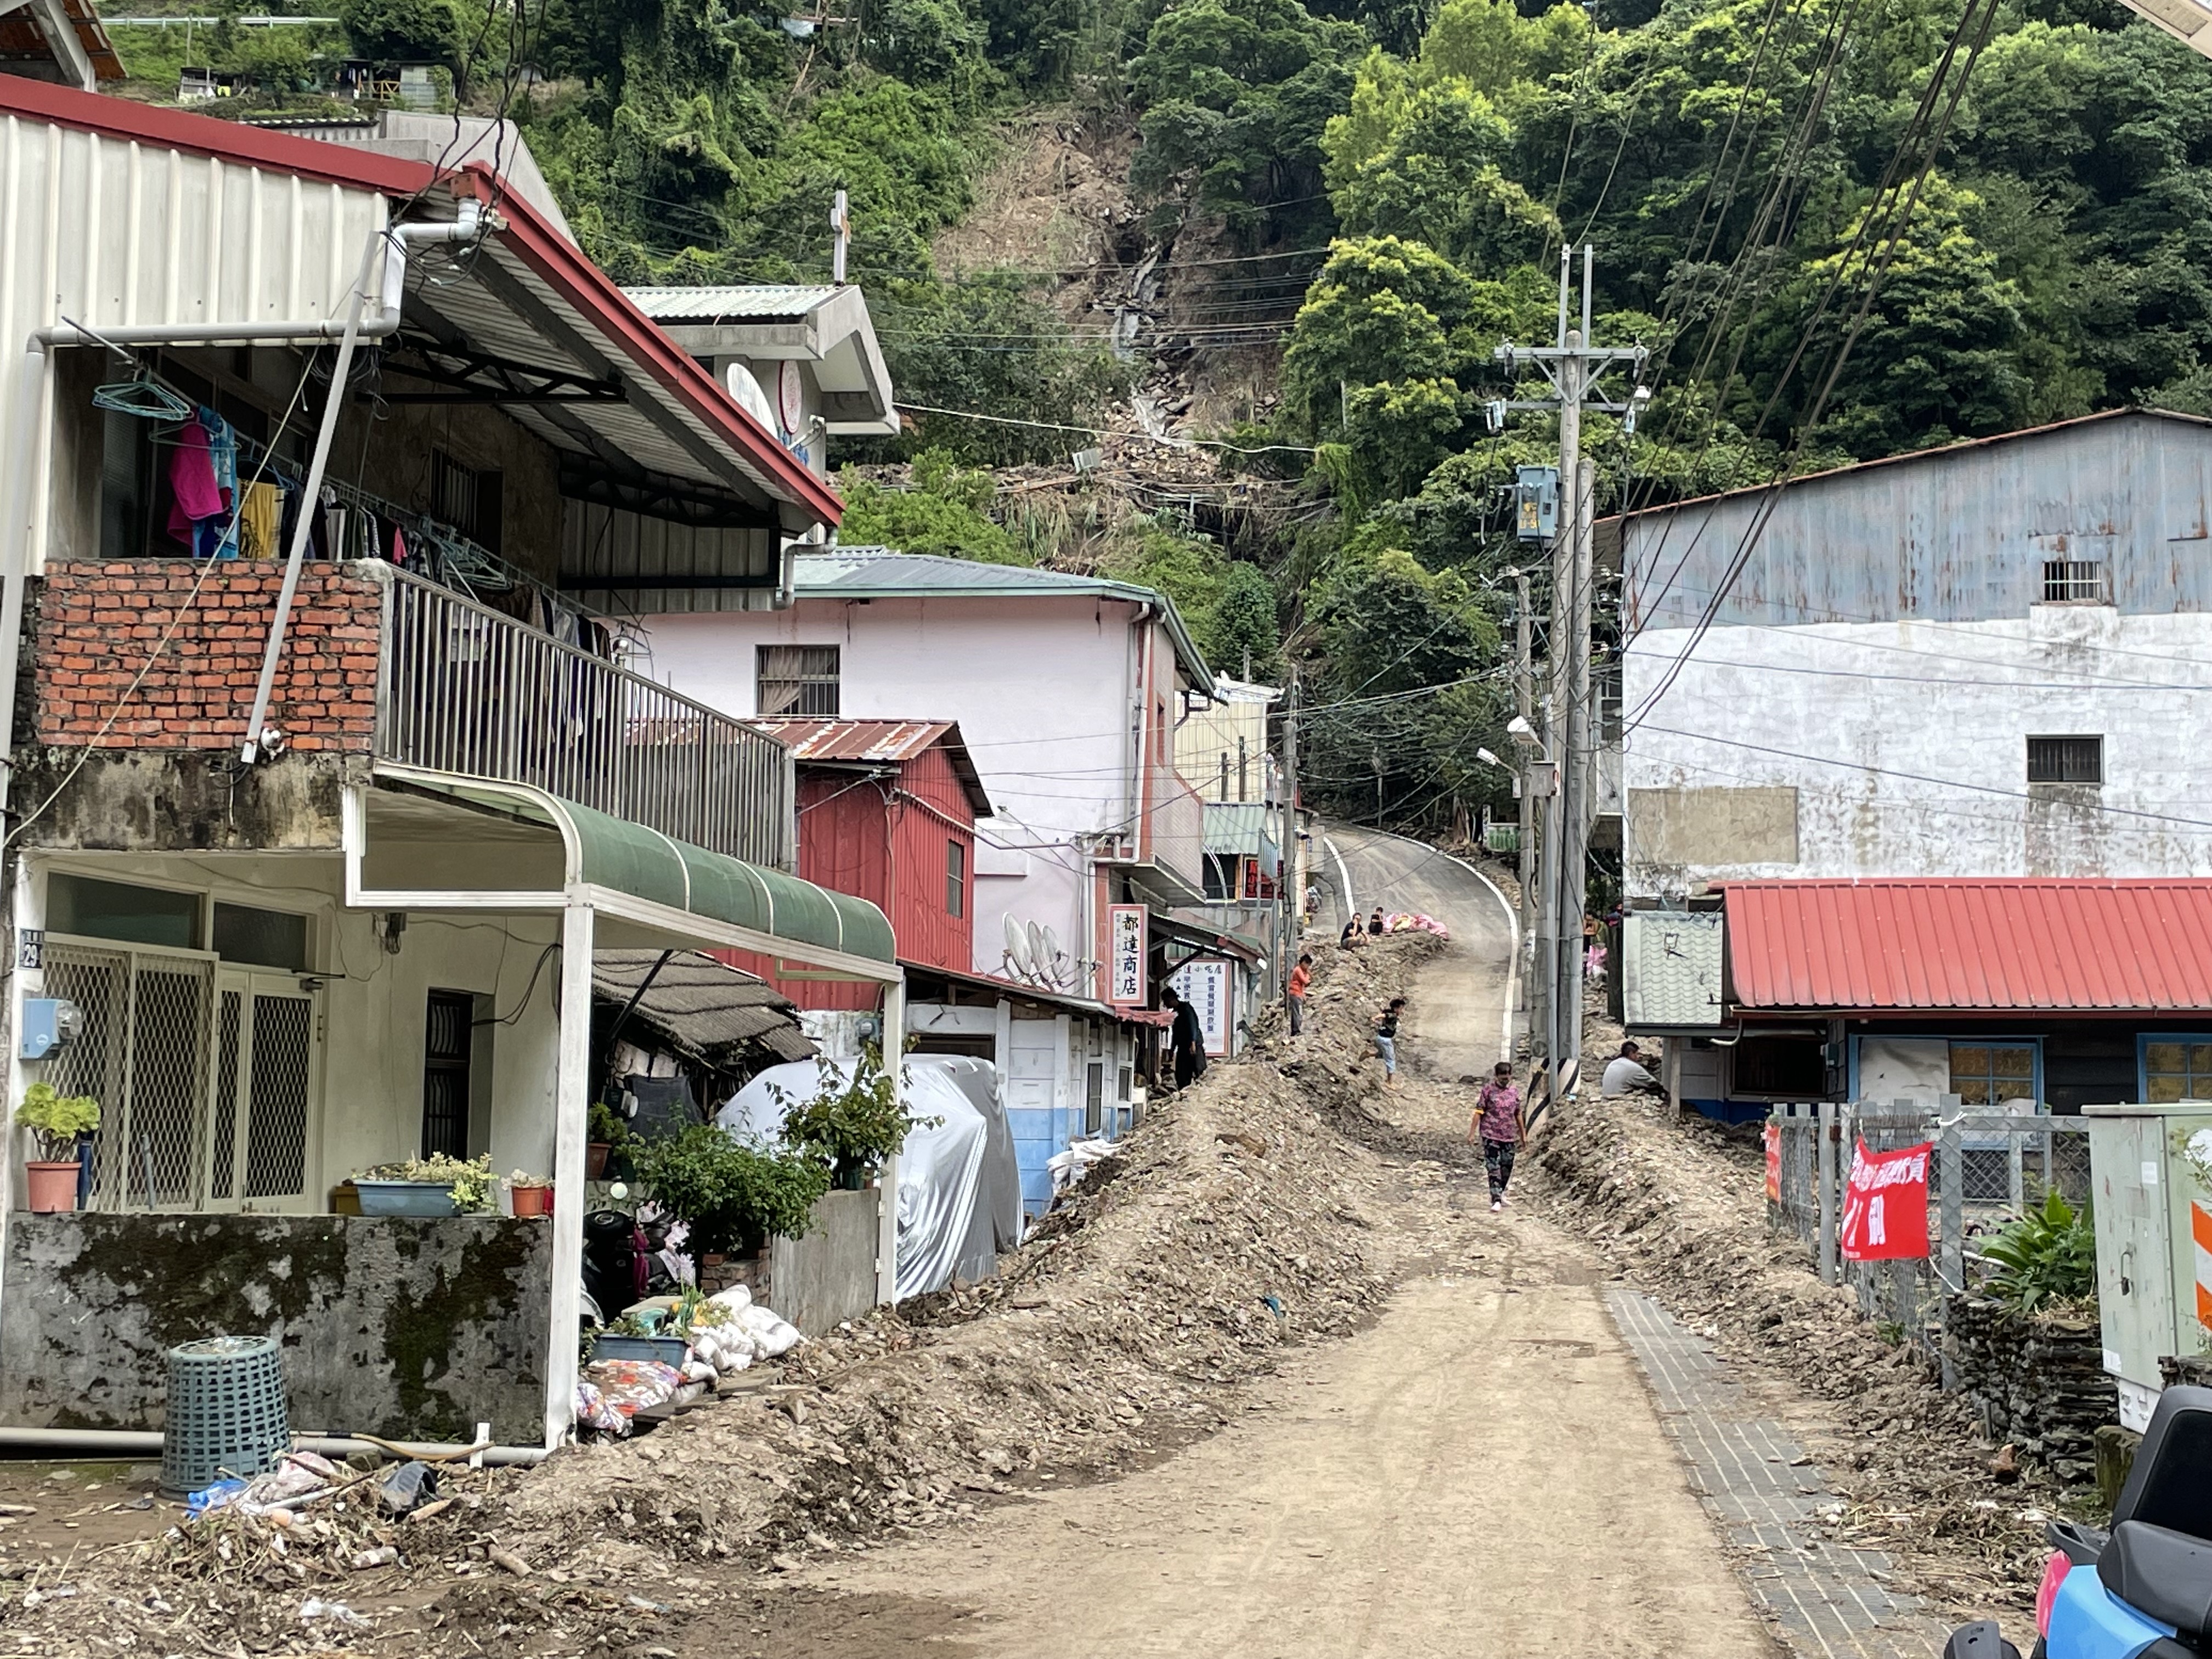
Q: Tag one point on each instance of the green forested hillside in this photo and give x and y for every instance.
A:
(2003, 207)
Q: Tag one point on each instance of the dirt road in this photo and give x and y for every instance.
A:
(1481, 1472)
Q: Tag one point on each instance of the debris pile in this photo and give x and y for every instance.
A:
(1680, 1204)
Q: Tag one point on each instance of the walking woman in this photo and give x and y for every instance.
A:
(1497, 1125)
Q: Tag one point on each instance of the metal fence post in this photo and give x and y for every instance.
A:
(2015, 1179)
(1825, 1178)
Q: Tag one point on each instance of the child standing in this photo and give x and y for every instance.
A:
(1386, 1040)
(1497, 1125)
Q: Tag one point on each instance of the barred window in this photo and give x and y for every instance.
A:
(2065, 760)
(798, 679)
(2073, 580)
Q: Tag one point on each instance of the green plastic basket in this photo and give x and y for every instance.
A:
(226, 1412)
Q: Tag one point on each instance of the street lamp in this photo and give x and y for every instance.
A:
(1489, 759)
(1521, 733)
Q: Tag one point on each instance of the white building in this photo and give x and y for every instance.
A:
(1988, 660)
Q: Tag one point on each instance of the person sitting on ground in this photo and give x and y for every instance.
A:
(1350, 937)
(1294, 993)
(1374, 921)
(1624, 1074)
(1386, 1040)
(1496, 1125)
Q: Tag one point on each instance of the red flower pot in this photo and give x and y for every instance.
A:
(53, 1187)
(531, 1202)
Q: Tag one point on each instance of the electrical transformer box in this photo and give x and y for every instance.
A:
(2150, 1175)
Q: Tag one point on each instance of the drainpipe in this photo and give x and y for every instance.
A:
(37, 349)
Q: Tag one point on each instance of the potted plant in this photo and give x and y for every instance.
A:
(531, 1195)
(435, 1185)
(603, 1131)
(854, 1127)
(733, 1196)
(58, 1123)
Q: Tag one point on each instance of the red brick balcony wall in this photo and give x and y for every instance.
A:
(99, 623)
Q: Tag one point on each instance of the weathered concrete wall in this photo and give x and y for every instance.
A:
(152, 800)
(410, 1329)
(1906, 745)
(830, 1275)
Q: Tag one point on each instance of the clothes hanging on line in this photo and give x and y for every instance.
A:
(260, 521)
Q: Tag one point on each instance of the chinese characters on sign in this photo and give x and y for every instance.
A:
(1204, 984)
(1125, 954)
(1886, 1205)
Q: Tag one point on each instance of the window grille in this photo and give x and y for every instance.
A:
(446, 1043)
(956, 879)
(2065, 760)
(1094, 1098)
(798, 679)
(2073, 581)
(278, 1096)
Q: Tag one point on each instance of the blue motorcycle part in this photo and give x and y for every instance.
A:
(2087, 1621)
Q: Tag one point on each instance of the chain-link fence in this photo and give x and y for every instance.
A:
(1988, 1168)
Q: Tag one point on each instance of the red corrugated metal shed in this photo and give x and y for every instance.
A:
(810, 738)
(2079, 946)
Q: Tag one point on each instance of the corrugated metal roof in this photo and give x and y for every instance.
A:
(1670, 963)
(704, 1009)
(2079, 946)
(1239, 827)
(884, 572)
(714, 305)
(885, 741)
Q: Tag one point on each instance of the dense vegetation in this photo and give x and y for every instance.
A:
(2003, 207)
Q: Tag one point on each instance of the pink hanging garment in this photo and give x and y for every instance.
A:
(191, 482)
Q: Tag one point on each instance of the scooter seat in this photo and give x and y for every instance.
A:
(2162, 1574)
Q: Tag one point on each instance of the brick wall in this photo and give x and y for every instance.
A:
(98, 623)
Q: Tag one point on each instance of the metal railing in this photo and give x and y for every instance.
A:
(462, 687)
(1989, 1168)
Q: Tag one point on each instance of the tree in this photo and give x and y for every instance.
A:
(946, 513)
(1244, 626)
(402, 30)
(1436, 177)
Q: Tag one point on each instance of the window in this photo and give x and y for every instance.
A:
(267, 938)
(126, 476)
(114, 909)
(1793, 1066)
(447, 1037)
(2178, 1070)
(1992, 1074)
(2065, 760)
(956, 879)
(2073, 581)
(798, 679)
(470, 500)
(1094, 1098)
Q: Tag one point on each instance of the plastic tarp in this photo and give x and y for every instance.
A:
(998, 1225)
(940, 1177)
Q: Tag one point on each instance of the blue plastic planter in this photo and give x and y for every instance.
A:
(404, 1197)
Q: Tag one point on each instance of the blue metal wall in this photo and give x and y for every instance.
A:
(1953, 535)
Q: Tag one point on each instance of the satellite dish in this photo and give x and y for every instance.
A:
(1050, 961)
(750, 396)
(1017, 950)
(1040, 954)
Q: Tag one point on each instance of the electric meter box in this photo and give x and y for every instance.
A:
(2150, 1178)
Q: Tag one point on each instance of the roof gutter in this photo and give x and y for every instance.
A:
(39, 347)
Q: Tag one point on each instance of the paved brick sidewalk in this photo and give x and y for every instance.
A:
(1829, 1602)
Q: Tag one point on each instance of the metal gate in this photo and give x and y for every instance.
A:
(206, 1077)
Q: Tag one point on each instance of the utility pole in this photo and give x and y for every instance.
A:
(1524, 705)
(1289, 896)
(1574, 366)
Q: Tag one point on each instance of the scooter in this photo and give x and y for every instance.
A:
(2142, 1590)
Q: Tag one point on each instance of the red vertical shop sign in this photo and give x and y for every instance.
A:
(1773, 1162)
(1126, 926)
(1885, 1205)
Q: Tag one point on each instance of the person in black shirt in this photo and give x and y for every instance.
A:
(1375, 922)
(1186, 1042)
(1386, 1040)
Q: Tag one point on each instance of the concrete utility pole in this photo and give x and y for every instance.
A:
(1524, 705)
(1574, 366)
(1290, 895)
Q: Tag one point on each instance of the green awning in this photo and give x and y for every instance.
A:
(605, 851)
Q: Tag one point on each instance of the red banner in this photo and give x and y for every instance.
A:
(1885, 1205)
(1774, 1163)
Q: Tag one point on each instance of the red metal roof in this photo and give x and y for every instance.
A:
(812, 738)
(2087, 946)
(551, 256)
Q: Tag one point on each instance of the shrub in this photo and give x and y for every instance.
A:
(857, 1123)
(59, 1120)
(730, 1193)
(2047, 1255)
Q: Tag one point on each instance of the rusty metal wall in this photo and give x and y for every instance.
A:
(1959, 535)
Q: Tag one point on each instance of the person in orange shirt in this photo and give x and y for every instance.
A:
(1294, 993)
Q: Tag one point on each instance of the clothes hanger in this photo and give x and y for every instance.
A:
(145, 398)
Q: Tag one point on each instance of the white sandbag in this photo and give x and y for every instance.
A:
(757, 1319)
(780, 1339)
(737, 1298)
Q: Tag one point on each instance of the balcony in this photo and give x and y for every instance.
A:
(380, 664)
(1165, 851)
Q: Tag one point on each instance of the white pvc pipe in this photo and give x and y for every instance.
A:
(137, 1443)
